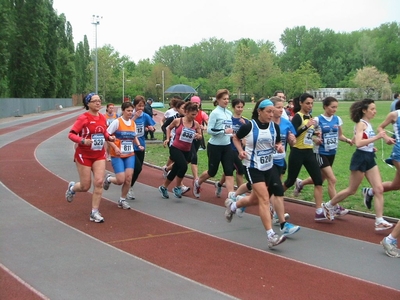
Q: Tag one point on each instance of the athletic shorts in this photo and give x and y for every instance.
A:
(255, 175)
(121, 164)
(324, 160)
(362, 161)
(87, 160)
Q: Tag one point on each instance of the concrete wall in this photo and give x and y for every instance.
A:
(11, 107)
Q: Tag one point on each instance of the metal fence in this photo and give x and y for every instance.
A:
(15, 107)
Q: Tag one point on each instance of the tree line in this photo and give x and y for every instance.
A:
(38, 59)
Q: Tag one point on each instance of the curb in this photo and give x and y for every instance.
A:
(302, 202)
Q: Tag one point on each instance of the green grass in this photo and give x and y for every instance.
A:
(156, 154)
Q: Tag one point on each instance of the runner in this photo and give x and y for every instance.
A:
(110, 115)
(262, 138)
(89, 132)
(363, 162)
(142, 120)
(302, 151)
(219, 149)
(186, 130)
(122, 152)
(325, 148)
(237, 121)
(392, 118)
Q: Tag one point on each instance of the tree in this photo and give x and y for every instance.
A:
(305, 78)
(371, 81)
(241, 69)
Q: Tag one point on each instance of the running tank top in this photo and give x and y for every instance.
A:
(260, 146)
(304, 140)
(124, 137)
(184, 136)
(368, 133)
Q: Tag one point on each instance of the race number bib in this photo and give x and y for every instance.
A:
(187, 135)
(227, 124)
(331, 140)
(140, 130)
(98, 141)
(126, 147)
(264, 159)
(308, 137)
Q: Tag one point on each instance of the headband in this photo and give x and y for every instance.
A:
(88, 97)
(265, 103)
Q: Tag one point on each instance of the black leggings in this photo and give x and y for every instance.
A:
(139, 159)
(220, 154)
(180, 159)
(299, 158)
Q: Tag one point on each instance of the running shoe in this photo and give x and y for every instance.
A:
(297, 187)
(275, 240)
(232, 196)
(106, 182)
(389, 161)
(96, 217)
(131, 194)
(240, 212)
(123, 204)
(218, 190)
(184, 189)
(289, 229)
(163, 191)
(367, 198)
(383, 225)
(339, 211)
(320, 216)
(177, 191)
(329, 213)
(196, 188)
(390, 248)
(165, 172)
(228, 212)
(69, 195)
(275, 219)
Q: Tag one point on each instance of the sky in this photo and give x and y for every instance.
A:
(139, 28)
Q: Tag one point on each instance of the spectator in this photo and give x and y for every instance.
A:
(395, 99)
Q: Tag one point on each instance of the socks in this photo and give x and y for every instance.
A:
(283, 225)
(328, 204)
(390, 239)
(121, 199)
(233, 207)
(270, 233)
(94, 210)
(370, 192)
(319, 210)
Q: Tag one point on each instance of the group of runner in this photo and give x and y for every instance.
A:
(253, 147)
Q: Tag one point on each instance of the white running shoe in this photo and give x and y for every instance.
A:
(123, 204)
(297, 187)
(184, 189)
(96, 217)
(69, 195)
(275, 240)
(383, 225)
(106, 182)
(131, 194)
(218, 190)
(165, 172)
(196, 189)
(228, 212)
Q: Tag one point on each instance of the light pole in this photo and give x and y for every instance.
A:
(123, 84)
(95, 22)
(162, 85)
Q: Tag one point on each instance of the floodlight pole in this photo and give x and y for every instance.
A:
(95, 22)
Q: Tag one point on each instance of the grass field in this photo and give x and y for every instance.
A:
(157, 155)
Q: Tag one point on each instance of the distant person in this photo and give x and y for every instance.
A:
(171, 111)
(289, 109)
(90, 134)
(281, 95)
(149, 110)
(393, 104)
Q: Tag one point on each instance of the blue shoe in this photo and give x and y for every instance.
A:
(163, 191)
(289, 229)
(177, 191)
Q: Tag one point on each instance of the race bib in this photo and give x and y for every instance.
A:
(330, 140)
(227, 124)
(187, 135)
(140, 130)
(264, 159)
(126, 147)
(98, 141)
(308, 137)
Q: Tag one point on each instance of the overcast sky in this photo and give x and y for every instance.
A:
(139, 28)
